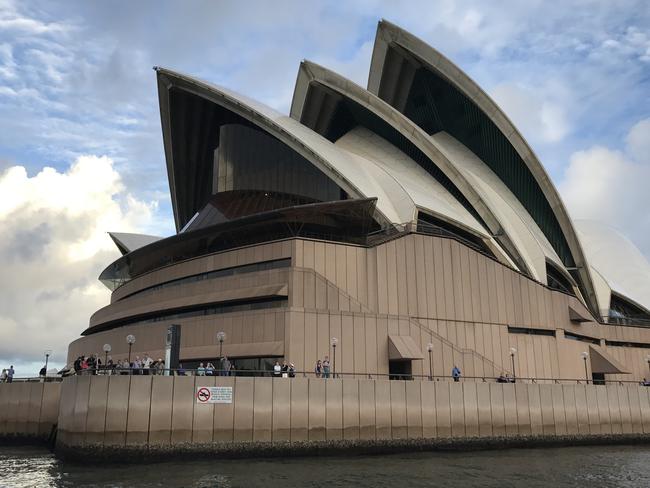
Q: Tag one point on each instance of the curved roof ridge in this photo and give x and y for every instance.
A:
(359, 181)
(388, 33)
(312, 72)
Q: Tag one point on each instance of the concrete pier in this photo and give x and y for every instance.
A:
(28, 410)
(126, 417)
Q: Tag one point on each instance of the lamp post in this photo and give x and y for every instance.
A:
(430, 349)
(221, 336)
(585, 355)
(48, 353)
(107, 348)
(130, 340)
(335, 341)
(513, 351)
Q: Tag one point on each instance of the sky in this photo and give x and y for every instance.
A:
(80, 140)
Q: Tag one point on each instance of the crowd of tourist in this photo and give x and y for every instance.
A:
(7, 375)
(225, 368)
(93, 365)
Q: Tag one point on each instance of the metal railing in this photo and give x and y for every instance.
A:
(34, 379)
(340, 375)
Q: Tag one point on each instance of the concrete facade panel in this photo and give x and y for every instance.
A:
(457, 410)
(510, 408)
(535, 407)
(570, 409)
(399, 428)
(224, 414)
(117, 408)
(203, 413)
(244, 392)
(351, 413)
(334, 409)
(281, 409)
(428, 395)
(263, 410)
(383, 410)
(160, 418)
(546, 404)
(592, 409)
(414, 410)
(470, 402)
(182, 409)
(299, 409)
(582, 414)
(317, 419)
(603, 409)
(137, 426)
(96, 418)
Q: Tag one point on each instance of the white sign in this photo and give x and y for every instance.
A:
(214, 394)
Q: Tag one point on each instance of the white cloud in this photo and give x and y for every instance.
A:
(538, 114)
(612, 186)
(53, 248)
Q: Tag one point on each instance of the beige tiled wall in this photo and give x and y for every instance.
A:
(160, 411)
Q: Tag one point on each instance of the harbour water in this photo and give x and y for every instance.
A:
(616, 466)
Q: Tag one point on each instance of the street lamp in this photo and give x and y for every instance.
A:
(130, 340)
(430, 349)
(221, 336)
(335, 341)
(585, 355)
(48, 353)
(513, 351)
(107, 348)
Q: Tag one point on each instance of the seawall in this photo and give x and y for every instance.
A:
(28, 411)
(134, 417)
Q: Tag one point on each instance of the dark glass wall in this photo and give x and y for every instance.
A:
(249, 159)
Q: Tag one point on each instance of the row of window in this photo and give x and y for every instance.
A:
(220, 273)
(278, 302)
(575, 337)
(627, 344)
(212, 309)
(524, 330)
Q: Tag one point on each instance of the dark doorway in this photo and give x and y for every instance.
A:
(400, 370)
(598, 378)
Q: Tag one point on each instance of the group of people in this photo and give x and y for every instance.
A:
(7, 375)
(286, 370)
(505, 378)
(322, 368)
(226, 368)
(93, 364)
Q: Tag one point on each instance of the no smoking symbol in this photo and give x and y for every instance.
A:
(203, 395)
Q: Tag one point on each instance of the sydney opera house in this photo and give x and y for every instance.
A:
(409, 220)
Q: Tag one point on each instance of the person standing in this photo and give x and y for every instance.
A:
(318, 369)
(326, 367)
(10, 374)
(285, 369)
(292, 370)
(455, 372)
(226, 366)
(3, 376)
(277, 370)
(146, 364)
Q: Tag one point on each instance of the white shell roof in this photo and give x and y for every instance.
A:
(360, 177)
(625, 269)
(423, 189)
(131, 242)
(528, 237)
